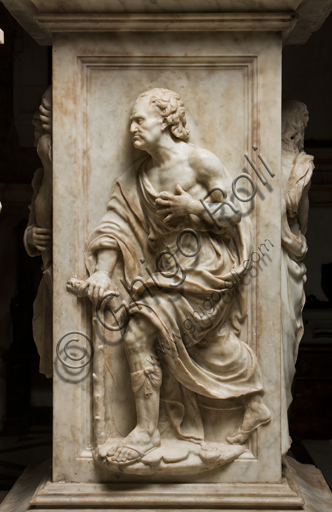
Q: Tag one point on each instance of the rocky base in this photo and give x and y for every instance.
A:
(173, 457)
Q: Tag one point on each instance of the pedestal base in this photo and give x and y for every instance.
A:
(176, 457)
(33, 489)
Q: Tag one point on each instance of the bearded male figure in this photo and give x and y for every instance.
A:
(151, 205)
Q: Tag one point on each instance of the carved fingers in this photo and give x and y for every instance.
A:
(97, 287)
(180, 191)
(175, 205)
(46, 116)
(165, 198)
(41, 238)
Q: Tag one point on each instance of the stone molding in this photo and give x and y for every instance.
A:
(172, 496)
(311, 14)
(155, 22)
(317, 495)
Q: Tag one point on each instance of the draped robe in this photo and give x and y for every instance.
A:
(297, 171)
(43, 304)
(187, 293)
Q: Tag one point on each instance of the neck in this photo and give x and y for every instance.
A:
(163, 153)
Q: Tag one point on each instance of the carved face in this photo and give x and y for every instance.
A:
(146, 125)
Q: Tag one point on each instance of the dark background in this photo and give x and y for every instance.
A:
(26, 395)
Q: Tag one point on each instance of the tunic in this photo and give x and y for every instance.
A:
(188, 295)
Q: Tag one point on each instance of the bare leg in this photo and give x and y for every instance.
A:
(255, 414)
(146, 380)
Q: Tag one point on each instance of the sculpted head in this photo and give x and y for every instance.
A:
(155, 112)
(295, 117)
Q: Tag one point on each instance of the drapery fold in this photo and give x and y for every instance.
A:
(191, 300)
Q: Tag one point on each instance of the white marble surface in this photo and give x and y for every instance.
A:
(230, 83)
(96, 80)
(175, 175)
(314, 489)
(310, 13)
(317, 495)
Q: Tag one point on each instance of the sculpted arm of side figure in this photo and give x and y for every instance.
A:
(212, 175)
(303, 211)
(38, 239)
(31, 243)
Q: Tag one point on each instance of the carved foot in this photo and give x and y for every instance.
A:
(133, 447)
(256, 414)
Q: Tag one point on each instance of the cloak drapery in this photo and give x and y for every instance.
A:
(180, 278)
(43, 305)
(297, 172)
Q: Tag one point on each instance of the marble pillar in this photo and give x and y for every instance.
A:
(167, 314)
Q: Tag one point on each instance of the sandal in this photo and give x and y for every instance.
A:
(139, 456)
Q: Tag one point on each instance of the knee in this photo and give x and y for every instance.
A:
(139, 336)
(131, 341)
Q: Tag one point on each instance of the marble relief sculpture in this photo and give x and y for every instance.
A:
(156, 223)
(297, 168)
(38, 234)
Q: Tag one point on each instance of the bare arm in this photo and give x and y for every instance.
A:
(219, 205)
(106, 260)
(36, 239)
(99, 283)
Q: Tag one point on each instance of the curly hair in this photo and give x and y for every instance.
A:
(171, 108)
(295, 117)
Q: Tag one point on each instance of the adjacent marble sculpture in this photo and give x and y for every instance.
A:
(38, 234)
(297, 168)
(187, 307)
